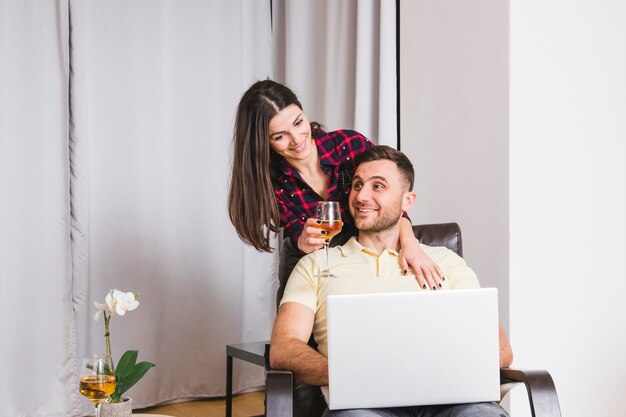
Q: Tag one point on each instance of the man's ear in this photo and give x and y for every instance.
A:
(408, 199)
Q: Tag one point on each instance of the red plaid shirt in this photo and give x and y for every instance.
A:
(296, 200)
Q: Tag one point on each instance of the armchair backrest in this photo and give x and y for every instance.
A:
(440, 234)
(307, 399)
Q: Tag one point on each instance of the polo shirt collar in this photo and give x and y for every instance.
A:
(353, 246)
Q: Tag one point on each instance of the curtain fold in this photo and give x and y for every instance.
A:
(37, 322)
(340, 59)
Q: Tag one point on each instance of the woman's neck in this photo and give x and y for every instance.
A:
(310, 169)
(309, 165)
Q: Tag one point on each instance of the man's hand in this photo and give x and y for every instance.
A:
(289, 349)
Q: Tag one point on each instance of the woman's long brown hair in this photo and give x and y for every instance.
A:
(251, 202)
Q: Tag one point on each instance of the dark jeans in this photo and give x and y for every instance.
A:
(450, 410)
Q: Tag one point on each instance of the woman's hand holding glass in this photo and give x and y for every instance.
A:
(328, 214)
(313, 237)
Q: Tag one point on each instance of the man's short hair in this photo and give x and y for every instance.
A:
(387, 153)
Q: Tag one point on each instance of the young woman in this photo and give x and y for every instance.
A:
(283, 165)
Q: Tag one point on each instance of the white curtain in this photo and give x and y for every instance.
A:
(157, 87)
(37, 335)
(121, 182)
(115, 130)
(340, 59)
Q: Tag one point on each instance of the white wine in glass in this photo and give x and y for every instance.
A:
(97, 379)
(329, 215)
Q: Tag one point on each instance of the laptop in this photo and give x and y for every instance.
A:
(413, 348)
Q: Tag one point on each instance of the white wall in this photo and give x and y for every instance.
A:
(454, 124)
(567, 174)
(568, 199)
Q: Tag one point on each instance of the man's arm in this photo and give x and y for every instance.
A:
(506, 353)
(289, 349)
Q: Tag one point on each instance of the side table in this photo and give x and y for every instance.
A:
(253, 352)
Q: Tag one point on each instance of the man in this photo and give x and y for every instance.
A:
(381, 191)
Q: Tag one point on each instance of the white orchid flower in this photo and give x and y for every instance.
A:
(101, 309)
(111, 300)
(124, 301)
(116, 302)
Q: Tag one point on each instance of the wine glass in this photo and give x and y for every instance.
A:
(329, 215)
(97, 379)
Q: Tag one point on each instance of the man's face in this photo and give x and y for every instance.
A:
(378, 196)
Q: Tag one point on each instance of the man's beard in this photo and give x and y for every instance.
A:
(386, 220)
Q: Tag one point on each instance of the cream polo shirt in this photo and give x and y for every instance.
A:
(360, 270)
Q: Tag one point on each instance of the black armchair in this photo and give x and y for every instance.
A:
(287, 397)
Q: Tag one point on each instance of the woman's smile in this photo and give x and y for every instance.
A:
(301, 147)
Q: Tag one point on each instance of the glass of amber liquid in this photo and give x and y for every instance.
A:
(329, 215)
(97, 379)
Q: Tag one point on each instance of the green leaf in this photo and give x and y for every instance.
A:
(131, 379)
(128, 373)
(116, 397)
(126, 364)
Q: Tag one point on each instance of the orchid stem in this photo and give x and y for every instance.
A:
(106, 338)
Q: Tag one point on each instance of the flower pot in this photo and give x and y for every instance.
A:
(123, 409)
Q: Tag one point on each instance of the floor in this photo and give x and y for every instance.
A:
(244, 405)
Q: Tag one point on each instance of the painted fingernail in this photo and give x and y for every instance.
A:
(424, 286)
(406, 272)
(434, 287)
(440, 285)
(443, 278)
(323, 232)
(327, 240)
(319, 222)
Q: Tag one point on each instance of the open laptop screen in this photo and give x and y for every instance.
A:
(413, 348)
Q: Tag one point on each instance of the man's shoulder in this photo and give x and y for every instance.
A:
(442, 255)
(308, 258)
(307, 261)
(458, 274)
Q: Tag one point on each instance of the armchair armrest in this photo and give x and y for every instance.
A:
(278, 393)
(542, 396)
